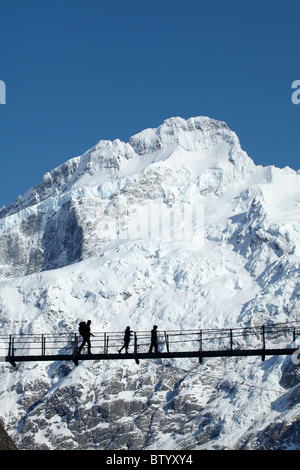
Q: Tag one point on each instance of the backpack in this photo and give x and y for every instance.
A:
(82, 328)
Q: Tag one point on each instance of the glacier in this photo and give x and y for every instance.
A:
(75, 247)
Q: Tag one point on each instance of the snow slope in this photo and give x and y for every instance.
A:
(101, 237)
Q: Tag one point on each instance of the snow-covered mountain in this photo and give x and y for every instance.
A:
(179, 228)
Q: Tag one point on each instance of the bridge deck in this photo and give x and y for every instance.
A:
(266, 340)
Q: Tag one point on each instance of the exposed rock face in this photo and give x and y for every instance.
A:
(6, 442)
(66, 246)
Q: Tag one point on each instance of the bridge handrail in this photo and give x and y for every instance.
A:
(63, 341)
(175, 331)
(145, 333)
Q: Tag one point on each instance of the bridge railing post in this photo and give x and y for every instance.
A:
(104, 344)
(294, 337)
(43, 345)
(263, 341)
(11, 350)
(135, 349)
(167, 341)
(231, 341)
(200, 346)
(10, 346)
(75, 349)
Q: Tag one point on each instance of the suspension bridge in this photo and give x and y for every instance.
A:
(265, 340)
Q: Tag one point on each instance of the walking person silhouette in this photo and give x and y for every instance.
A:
(127, 335)
(153, 339)
(85, 331)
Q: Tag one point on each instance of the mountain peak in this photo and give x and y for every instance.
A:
(181, 161)
(189, 134)
(198, 143)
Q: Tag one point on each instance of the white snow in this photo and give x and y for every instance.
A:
(235, 277)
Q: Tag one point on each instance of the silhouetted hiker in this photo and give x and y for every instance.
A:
(153, 339)
(85, 331)
(127, 335)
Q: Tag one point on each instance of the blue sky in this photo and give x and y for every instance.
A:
(78, 71)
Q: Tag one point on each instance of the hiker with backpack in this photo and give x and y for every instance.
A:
(85, 332)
